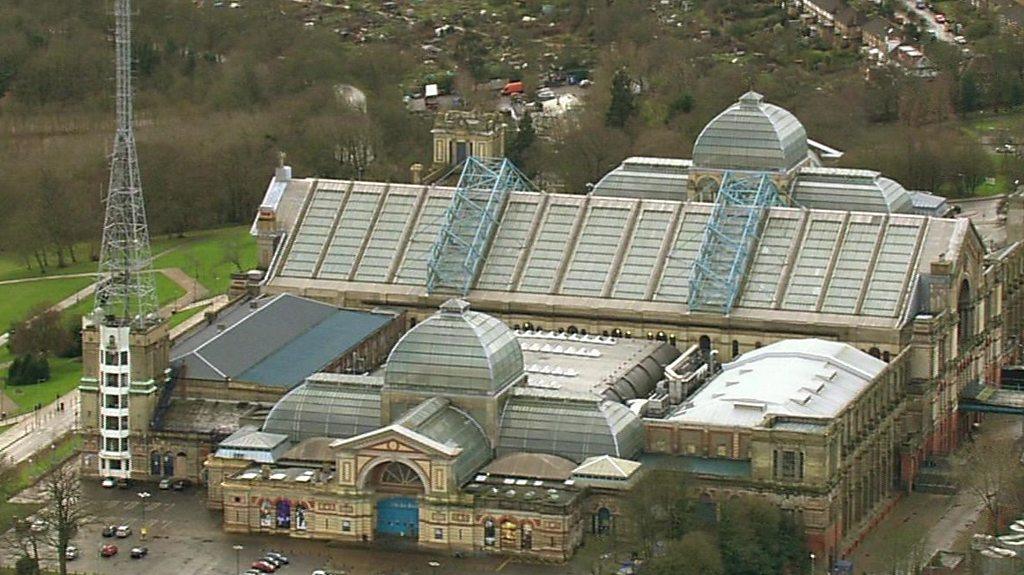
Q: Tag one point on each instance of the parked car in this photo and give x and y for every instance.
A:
(108, 482)
(139, 552)
(71, 553)
(123, 531)
(180, 485)
(515, 87)
(283, 559)
(37, 526)
(545, 94)
(268, 559)
(165, 483)
(123, 483)
(263, 567)
(109, 531)
(108, 550)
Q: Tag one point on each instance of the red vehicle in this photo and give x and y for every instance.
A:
(108, 550)
(513, 88)
(263, 566)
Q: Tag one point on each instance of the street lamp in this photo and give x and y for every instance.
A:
(143, 495)
(813, 565)
(238, 550)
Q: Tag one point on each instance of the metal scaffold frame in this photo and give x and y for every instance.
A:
(470, 221)
(125, 287)
(729, 239)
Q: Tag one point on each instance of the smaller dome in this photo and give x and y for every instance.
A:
(751, 135)
(456, 350)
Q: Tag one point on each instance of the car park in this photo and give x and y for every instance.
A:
(108, 482)
(165, 483)
(123, 531)
(139, 552)
(71, 553)
(109, 531)
(108, 550)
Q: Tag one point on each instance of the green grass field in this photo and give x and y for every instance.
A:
(64, 376)
(17, 300)
(204, 255)
(180, 317)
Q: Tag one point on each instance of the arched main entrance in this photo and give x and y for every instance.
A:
(398, 507)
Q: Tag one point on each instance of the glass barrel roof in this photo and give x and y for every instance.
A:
(574, 429)
(437, 419)
(751, 135)
(320, 409)
(456, 351)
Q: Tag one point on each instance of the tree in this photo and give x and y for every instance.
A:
(988, 470)
(756, 538)
(658, 508)
(695, 554)
(521, 141)
(64, 512)
(623, 104)
(28, 369)
(44, 331)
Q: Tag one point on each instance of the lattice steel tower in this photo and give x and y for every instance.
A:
(126, 288)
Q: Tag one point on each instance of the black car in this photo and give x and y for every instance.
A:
(180, 485)
(139, 552)
(109, 531)
(283, 559)
(123, 483)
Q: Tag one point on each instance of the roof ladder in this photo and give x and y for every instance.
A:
(729, 240)
(470, 222)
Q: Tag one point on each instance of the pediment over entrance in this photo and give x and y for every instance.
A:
(396, 439)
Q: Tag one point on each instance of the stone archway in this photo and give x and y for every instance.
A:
(398, 487)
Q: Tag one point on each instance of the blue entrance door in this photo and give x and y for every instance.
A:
(398, 516)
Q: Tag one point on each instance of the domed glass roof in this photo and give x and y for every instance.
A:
(751, 135)
(456, 350)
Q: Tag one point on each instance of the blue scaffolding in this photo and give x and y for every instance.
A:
(729, 238)
(470, 222)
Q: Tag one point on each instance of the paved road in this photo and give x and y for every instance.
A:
(930, 24)
(39, 429)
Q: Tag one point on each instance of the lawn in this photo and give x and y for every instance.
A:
(200, 254)
(64, 376)
(16, 300)
(180, 317)
(205, 255)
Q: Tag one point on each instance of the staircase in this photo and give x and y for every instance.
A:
(470, 222)
(729, 240)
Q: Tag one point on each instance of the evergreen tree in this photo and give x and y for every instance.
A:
(623, 104)
(522, 139)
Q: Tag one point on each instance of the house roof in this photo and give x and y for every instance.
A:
(531, 466)
(796, 378)
(606, 466)
(275, 341)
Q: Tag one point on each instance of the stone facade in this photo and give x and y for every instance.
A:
(459, 134)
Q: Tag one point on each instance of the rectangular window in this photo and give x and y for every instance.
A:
(722, 451)
(110, 423)
(110, 358)
(115, 464)
(438, 534)
(238, 499)
(346, 526)
(691, 449)
(124, 358)
(789, 465)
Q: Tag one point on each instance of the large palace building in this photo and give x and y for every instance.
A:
(752, 318)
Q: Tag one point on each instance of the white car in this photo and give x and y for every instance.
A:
(123, 531)
(108, 483)
(71, 553)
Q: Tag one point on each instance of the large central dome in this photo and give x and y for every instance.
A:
(457, 351)
(751, 135)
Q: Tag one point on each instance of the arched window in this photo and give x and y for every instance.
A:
(705, 345)
(601, 523)
(965, 313)
(875, 353)
(154, 463)
(886, 356)
(572, 330)
(735, 348)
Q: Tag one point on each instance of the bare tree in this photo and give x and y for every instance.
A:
(64, 512)
(990, 469)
